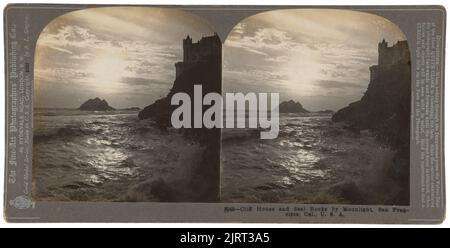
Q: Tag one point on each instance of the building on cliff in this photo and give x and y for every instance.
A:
(388, 93)
(202, 64)
(204, 50)
(388, 56)
(397, 53)
(385, 110)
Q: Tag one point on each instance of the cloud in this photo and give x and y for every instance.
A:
(277, 59)
(59, 49)
(262, 39)
(332, 84)
(138, 81)
(62, 75)
(70, 37)
(82, 56)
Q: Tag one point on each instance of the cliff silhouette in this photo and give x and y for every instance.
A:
(201, 65)
(385, 108)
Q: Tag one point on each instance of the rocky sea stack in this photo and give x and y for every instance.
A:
(132, 109)
(201, 65)
(96, 104)
(326, 111)
(385, 108)
(291, 107)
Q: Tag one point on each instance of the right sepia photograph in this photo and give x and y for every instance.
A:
(344, 84)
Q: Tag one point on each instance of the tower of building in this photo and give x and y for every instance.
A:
(390, 56)
(399, 52)
(206, 49)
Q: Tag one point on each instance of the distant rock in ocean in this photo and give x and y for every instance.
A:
(132, 109)
(291, 107)
(326, 111)
(96, 104)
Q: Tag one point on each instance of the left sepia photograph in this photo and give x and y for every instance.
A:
(103, 80)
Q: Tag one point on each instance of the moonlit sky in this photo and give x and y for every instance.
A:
(124, 55)
(318, 57)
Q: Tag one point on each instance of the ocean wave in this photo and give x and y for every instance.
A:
(66, 132)
(112, 158)
(313, 160)
(151, 190)
(229, 135)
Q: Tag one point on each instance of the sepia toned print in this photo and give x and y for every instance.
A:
(344, 79)
(243, 114)
(109, 80)
(103, 81)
